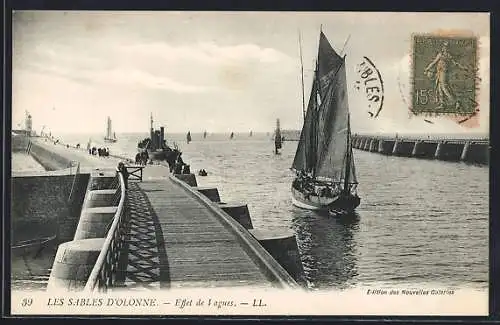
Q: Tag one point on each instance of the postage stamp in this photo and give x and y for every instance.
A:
(444, 75)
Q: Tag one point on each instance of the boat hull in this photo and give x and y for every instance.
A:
(339, 204)
(157, 155)
(108, 140)
(32, 247)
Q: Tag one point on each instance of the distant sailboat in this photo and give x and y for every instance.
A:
(89, 144)
(277, 138)
(251, 133)
(188, 137)
(232, 135)
(205, 135)
(109, 137)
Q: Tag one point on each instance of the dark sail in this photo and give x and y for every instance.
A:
(277, 135)
(323, 146)
(304, 154)
(332, 114)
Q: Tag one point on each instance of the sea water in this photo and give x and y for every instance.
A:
(420, 222)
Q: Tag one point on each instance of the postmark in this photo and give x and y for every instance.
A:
(444, 75)
(369, 81)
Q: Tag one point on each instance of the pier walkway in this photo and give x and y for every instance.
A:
(156, 233)
(173, 240)
(58, 157)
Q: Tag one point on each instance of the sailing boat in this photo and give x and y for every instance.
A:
(232, 135)
(205, 135)
(277, 137)
(109, 137)
(251, 133)
(324, 163)
(188, 137)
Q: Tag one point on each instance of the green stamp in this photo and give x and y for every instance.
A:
(444, 75)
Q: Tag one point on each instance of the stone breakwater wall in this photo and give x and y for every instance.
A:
(49, 159)
(19, 143)
(475, 151)
(42, 206)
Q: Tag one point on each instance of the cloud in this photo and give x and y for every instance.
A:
(206, 52)
(154, 65)
(236, 66)
(135, 77)
(98, 69)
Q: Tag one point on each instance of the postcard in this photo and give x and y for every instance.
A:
(250, 163)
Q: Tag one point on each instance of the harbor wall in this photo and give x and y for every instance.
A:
(19, 143)
(50, 160)
(41, 206)
(467, 150)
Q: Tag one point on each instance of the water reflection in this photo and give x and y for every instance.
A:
(327, 247)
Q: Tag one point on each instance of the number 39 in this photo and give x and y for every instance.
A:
(26, 302)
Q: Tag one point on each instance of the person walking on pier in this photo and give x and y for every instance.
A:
(122, 169)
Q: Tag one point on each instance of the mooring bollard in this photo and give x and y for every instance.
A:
(189, 179)
(282, 246)
(95, 222)
(73, 264)
(211, 192)
(239, 212)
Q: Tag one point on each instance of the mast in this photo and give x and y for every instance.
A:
(348, 154)
(302, 78)
(316, 108)
(314, 129)
(151, 130)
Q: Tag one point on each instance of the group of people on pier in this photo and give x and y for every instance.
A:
(142, 158)
(101, 152)
(180, 167)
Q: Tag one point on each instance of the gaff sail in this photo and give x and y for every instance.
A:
(324, 149)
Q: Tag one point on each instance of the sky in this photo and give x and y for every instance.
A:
(217, 71)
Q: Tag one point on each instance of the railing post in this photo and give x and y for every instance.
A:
(103, 274)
